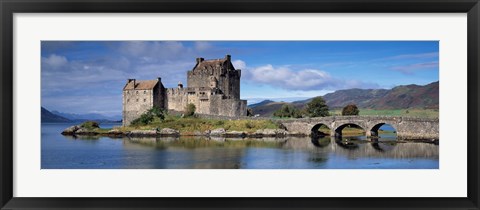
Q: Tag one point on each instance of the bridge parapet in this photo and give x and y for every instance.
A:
(406, 127)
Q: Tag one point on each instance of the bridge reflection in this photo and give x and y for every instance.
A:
(233, 153)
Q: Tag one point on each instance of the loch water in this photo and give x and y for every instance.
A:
(67, 152)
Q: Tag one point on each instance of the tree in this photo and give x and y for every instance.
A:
(350, 109)
(288, 111)
(249, 112)
(149, 116)
(317, 107)
(190, 110)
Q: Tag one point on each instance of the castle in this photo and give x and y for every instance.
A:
(213, 86)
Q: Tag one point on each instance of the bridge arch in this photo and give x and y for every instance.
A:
(374, 129)
(320, 130)
(339, 129)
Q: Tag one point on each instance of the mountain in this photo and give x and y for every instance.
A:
(399, 97)
(47, 116)
(265, 102)
(89, 116)
(360, 97)
(268, 107)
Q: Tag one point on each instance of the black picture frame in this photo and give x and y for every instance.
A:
(10, 7)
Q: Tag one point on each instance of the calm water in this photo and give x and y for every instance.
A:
(60, 152)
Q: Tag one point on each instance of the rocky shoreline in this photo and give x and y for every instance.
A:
(79, 130)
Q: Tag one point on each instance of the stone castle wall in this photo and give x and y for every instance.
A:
(227, 107)
(135, 103)
(176, 99)
(205, 102)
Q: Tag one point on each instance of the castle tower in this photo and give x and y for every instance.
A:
(225, 74)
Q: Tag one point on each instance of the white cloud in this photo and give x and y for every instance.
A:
(411, 68)
(202, 46)
(414, 56)
(239, 64)
(54, 61)
(285, 77)
(298, 80)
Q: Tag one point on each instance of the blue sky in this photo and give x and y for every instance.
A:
(88, 77)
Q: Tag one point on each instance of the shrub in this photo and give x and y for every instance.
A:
(350, 109)
(249, 125)
(288, 111)
(90, 125)
(190, 110)
(317, 107)
(147, 117)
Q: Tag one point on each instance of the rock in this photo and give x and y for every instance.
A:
(235, 134)
(271, 132)
(198, 133)
(115, 133)
(84, 131)
(70, 130)
(217, 132)
(217, 138)
(281, 132)
(152, 132)
(169, 132)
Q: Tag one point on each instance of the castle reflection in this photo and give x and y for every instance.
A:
(291, 152)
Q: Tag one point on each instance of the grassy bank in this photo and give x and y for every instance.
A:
(190, 125)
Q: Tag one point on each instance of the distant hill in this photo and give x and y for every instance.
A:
(47, 116)
(399, 97)
(265, 102)
(89, 116)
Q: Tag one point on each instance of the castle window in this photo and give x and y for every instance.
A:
(137, 92)
(144, 92)
(128, 100)
(137, 99)
(144, 100)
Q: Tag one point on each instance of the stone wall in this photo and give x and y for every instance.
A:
(135, 103)
(176, 99)
(227, 106)
(205, 102)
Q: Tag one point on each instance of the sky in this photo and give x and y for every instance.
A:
(88, 76)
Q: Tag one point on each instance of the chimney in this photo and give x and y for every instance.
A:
(159, 79)
(228, 57)
(199, 60)
(132, 80)
(180, 85)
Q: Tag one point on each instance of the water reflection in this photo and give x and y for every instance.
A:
(231, 153)
(60, 152)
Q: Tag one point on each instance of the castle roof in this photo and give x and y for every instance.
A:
(133, 84)
(211, 64)
(208, 64)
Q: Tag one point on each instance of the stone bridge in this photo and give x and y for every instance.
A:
(405, 127)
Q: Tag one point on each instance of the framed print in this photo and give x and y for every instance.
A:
(239, 105)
